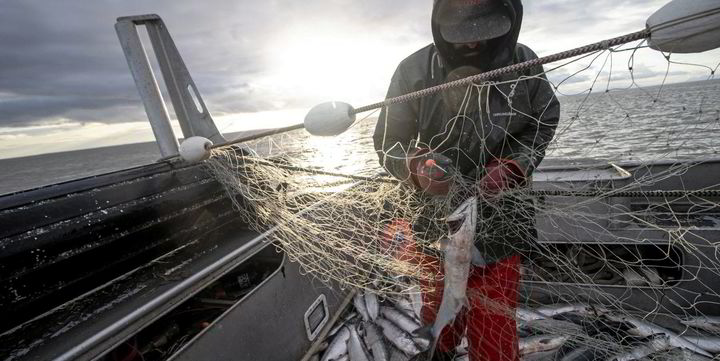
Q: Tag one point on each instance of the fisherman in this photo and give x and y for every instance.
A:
(493, 135)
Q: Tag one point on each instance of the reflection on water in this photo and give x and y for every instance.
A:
(349, 153)
(682, 123)
(336, 153)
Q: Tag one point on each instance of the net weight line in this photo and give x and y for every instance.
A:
(702, 193)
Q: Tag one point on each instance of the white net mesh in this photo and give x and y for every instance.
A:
(609, 252)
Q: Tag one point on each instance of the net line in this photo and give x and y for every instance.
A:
(620, 259)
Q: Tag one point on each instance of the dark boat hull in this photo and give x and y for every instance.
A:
(79, 258)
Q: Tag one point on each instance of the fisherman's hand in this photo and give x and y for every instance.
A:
(430, 172)
(501, 175)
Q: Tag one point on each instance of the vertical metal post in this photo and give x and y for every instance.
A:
(147, 87)
(190, 109)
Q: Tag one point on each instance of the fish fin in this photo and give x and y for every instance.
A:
(477, 258)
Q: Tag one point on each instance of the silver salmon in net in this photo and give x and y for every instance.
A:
(374, 340)
(338, 348)
(356, 347)
(707, 323)
(646, 329)
(398, 338)
(656, 344)
(458, 251)
(540, 343)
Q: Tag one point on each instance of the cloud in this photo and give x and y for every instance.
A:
(62, 60)
(69, 135)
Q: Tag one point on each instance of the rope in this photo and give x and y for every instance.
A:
(292, 168)
(602, 45)
(630, 194)
(263, 134)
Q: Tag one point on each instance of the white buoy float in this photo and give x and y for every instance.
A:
(686, 26)
(329, 119)
(195, 149)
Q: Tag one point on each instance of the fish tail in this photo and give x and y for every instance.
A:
(425, 332)
(429, 333)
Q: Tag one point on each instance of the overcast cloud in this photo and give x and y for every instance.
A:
(60, 61)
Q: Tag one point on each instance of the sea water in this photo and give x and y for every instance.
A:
(679, 121)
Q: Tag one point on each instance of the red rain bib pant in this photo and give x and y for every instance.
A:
(490, 321)
(492, 297)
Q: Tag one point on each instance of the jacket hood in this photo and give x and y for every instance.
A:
(500, 51)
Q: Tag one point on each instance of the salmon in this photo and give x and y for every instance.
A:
(458, 250)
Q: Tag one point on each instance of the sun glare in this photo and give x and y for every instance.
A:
(332, 62)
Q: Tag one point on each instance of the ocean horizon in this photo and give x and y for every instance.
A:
(683, 122)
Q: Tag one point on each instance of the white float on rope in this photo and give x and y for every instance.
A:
(329, 119)
(686, 26)
(195, 149)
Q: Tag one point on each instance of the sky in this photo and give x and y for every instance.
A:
(65, 84)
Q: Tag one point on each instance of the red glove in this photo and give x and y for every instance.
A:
(501, 175)
(430, 172)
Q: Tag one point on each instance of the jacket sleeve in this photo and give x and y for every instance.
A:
(396, 129)
(530, 146)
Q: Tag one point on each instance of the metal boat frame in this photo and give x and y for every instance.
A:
(81, 259)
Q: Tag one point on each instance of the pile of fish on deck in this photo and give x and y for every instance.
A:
(574, 332)
(377, 330)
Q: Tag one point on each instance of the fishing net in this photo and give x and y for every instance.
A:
(613, 241)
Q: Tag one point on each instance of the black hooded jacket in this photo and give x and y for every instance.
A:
(514, 118)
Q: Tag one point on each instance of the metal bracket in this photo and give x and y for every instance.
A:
(190, 109)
